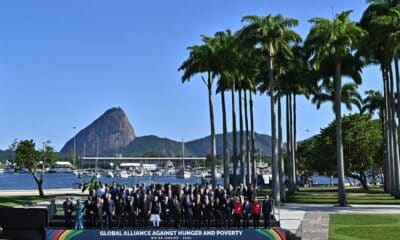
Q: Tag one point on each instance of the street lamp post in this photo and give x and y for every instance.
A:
(74, 157)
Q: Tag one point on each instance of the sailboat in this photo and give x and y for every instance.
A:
(183, 173)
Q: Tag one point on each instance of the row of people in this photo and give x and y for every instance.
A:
(173, 206)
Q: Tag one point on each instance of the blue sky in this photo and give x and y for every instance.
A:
(63, 63)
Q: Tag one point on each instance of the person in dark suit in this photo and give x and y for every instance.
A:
(132, 211)
(98, 212)
(207, 210)
(227, 205)
(166, 205)
(144, 207)
(120, 211)
(68, 208)
(197, 211)
(246, 213)
(108, 209)
(176, 211)
(187, 210)
(89, 212)
(218, 213)
(267, 209)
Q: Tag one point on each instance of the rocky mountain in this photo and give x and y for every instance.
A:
(112, 134)
(151, 145)
(110, 131)
(201, 147)
(155, 146)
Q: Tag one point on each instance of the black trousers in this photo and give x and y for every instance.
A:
(246, 221)
(236, 220)
(145, 220)
(132, 220)
(109, 221)
(256, 220)
(68, 220)
(267, 220)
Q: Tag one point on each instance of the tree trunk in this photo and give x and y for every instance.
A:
(225, 142)
(388, 138)
(397, 106)
(253, 146)
(211, 109)
(280, 154)
(339, 144)
(246, 120)
(39, 183)
(396, 166)
(292, 177)
(234, 137)
(241, 144)
(294, 143)
(361, 177)
(288, 144)
(275, 168)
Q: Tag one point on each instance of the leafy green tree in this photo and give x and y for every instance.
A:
(362, 148)
(92, 185)
(335, 39)
(27, 157)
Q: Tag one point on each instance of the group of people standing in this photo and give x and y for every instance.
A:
(172, 206)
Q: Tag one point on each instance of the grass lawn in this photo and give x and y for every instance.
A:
(12, 201)
(355, 195)
(364, 226)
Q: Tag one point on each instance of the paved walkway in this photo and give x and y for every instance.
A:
(315, 226)
(311, 221)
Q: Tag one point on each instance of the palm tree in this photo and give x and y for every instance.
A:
(291, 80)
(335, 39)
(274, 35)
(203, 59)
(382, 22)
(221, 89)
(375, 102)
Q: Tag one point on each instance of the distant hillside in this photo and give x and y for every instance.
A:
(5, 155)
(110, 131)
(155, 146)
(112, 134)
(201, 147)
(151, 146)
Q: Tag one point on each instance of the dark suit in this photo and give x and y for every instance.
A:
(267, 209)
(68, 207)
(108, 209)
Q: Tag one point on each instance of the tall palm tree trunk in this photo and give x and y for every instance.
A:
(339, 144)
(234, 137)
(241, 143)
(225, 142)
(397, 106)
(246, 120)
(280, 153)
(394, 129)
(252, 142)
(275, 168)
(388, 138)
(212, 126)
(288, 144)
(294, 152)
(292, 181)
